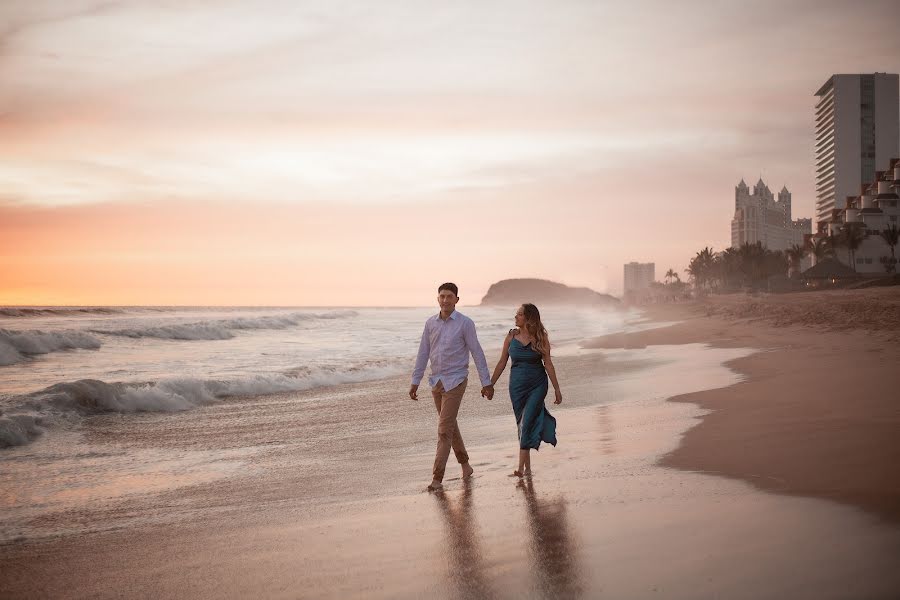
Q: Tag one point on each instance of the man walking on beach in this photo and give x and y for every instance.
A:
(447, 341)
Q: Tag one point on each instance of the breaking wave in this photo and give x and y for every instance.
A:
(61, 402)
(221, 329)
(59, 311)
(16, 346)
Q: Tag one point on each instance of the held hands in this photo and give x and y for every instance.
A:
(486, 392)
(558, 397)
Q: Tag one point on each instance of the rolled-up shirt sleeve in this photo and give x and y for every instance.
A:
(474, 347)
(422, 357)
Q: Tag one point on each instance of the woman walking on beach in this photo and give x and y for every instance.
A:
(529, 347)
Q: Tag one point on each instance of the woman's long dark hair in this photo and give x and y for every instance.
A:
(535, 328)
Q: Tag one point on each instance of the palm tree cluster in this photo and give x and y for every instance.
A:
(751, 265)
(748, 266)
(891, 236)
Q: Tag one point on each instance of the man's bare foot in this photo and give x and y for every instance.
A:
(467, 470)
(527, 473)
(435, 486)
(516, 474)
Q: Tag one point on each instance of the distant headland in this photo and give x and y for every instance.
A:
(511, 292)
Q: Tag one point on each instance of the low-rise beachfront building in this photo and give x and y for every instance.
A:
(759, 217)
(828, 273)
(876, 209)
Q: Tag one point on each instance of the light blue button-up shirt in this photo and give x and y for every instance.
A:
(448, 344)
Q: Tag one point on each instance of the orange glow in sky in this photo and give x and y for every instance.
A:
(318, 153)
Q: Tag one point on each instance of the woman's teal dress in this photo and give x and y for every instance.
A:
(527, 390)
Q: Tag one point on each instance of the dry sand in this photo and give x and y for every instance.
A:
(819, 412)
(812, 418)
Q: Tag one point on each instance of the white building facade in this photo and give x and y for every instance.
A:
(639, 276)
(760, 217)
(873, 211)
(857, 134)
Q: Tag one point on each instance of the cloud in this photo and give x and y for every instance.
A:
(22, 16)
(584, 111)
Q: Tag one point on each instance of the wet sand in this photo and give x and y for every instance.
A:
(343, 514)
(819, 411)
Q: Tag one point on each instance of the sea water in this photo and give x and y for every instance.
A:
(59, 364)
(73, 378)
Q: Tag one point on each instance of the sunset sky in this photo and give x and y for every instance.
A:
(360, 153)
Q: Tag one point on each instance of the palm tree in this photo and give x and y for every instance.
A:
(832, 242)
(775, 262)
(702, 267)
(818, 247)
(794, 255)
(752, 263)
(728, 268)
(852, 236)
(891, 235)
(669, 275)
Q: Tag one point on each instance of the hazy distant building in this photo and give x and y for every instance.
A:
(639, 276)
(759, 217)
(857, 133)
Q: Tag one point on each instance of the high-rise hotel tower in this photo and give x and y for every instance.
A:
(857, 133)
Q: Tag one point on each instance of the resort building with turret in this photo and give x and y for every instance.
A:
(760, 217)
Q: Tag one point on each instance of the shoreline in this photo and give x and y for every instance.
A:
(602, 516)
(818, 411)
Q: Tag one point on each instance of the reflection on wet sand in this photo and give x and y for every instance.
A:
(552, 551)
(607, 439)
(466, 569)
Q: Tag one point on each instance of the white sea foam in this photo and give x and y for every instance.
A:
(304, 380)
(58, 311)
(9, 355)
(187, 331)
(16, 345)
(24, 423)
(221, 329)
(18, 430)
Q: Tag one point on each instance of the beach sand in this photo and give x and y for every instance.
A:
(819, 411)
(630, 504)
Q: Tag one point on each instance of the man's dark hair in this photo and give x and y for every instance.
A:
(449, 286)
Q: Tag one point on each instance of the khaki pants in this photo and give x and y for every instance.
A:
(447, 405)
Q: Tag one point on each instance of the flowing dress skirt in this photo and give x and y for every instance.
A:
(528, 388)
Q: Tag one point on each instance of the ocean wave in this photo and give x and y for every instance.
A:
(11, 311)
(221, 329)
(18, 430)
(15, 346)
(332, 314)
(186, 331)
(36, 411)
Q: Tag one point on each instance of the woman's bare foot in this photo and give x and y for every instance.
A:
(516, 474)
(435, 486)
(467, 470)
